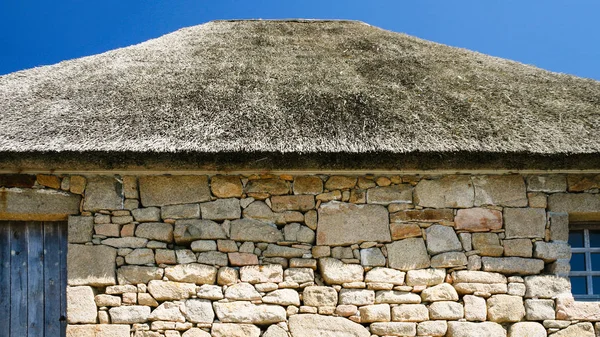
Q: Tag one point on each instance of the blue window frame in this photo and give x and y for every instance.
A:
(585, 262)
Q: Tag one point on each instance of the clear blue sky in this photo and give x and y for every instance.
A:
(559, 35)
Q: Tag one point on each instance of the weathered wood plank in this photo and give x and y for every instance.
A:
(52, 280)
(18, 280)
(62, 226)
(5, 294)
(35, 276)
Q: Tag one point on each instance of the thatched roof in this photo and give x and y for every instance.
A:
(295, 88)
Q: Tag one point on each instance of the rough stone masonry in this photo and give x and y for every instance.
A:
(319, 255)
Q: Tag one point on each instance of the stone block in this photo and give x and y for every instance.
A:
(173, 190)
(149, 214)
(308, 185)
(408, 254)
(155, 231)
(401, 231)
(192, 273)
(37, 204)
(375, 313)
(138, 274)
(171, 291)
(226, 186)
(442, 239)
(81, 306)
(585, 329)
(475, 308)
(487, 244)
(270, 186)
(478, 219)
(357, 297)
(394, 328)
(254, 231)
(481, 288)
(447, 192)
(395, 194)
(91, 265)
(167, 311)
(299, 275)
(130, 314)
(140, 256)
(425, 277)
(552, 183)
(319, 296)
(539, 309)
(464, 276)
(261, 274)
(559, 226)
(242, 292)
(512, 265)
(345, 224)
(524, 223)
(527, 329)
(551, 251)
(580, 206)
(283, 297)
(446, 310)
(292, 203)
(449, 260)
(501, 190)
(518, 247)
(98, 330)
(469, 329)
(80, 229)
(103, 193)
(214, 258)
(396, 297)
(185, 211)
(505, 308)
(221, 209)
(310, 325)
(423, 215)
(385, 275)
(274, 250)
(190, 230)
(335, 271)
(440, 292)
(546, 286)
(372, 257)
(410, 313)
(582, 182)
(246, 312)
(127, 242)
(432, 328)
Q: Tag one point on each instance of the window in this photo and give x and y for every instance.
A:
(585, 262)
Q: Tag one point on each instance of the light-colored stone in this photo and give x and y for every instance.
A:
(464, 276)
(478, 219)
(129, 314)
(512, 265)
(246, 312)
(37, 204)
(475, 308)
(372, 257)
(472, 288)
(173, 190)
(91, 265)
(539, 310)
(262, 273)
(275, 331)
(104, 300)
(559, 226)
(138, 274)
(395, 194)
(283, 297)
(551, 251)
(385, 275)
(440, 292)
(425, 277)
(410, 313)
(190, 230)
(242, 292)
(397, 297)
(155, 231)
(195, 332)
(242, 259)
(204, 246)
(527, 329)
(98, 330)
(501, 190)
(299, 275)
(234, 330)
(192, 273)
(357, 297)
(308, 325)
(221, 209)
(408, 254)
(167, 311)
(576, 330)
(524, 223)
(569, 309)
(185, 211)
(446, 310)
(546, 286)
(198, 311)
(449, 260)
(128, 242)
(103, 193)
(140, 256)
(518, 247)
(505, 308)
(432, 328)
(210, 292)
(375, 313)
(226, 186)
(80, 229)
(319, 296)
(447, 192)
(308, 185)
(227, 276)
(170, 291)
(578, 205)
(255, 231)
(344, 224)
(516, 289)
(335, 271)
(81, 306)
(552, 183)
(469, 329)
(442, 239)
(394, 328)
(147, 300)
(150, 214)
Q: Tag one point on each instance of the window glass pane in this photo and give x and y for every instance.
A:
(578, 262)
(596, 284)
(578, 285)
(576, 238)
(596, 261)
(595, 238)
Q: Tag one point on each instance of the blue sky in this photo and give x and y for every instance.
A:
(562, 36)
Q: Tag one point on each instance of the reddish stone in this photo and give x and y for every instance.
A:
(582, 182)
(403, 231)
(48, 181)
(478, 219)
(242, 259)
(424, 215)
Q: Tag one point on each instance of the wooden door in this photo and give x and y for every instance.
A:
(33, 279)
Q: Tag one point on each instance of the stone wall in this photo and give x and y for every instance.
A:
(321, 255)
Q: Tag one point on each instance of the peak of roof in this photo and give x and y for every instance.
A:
(296, 86)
